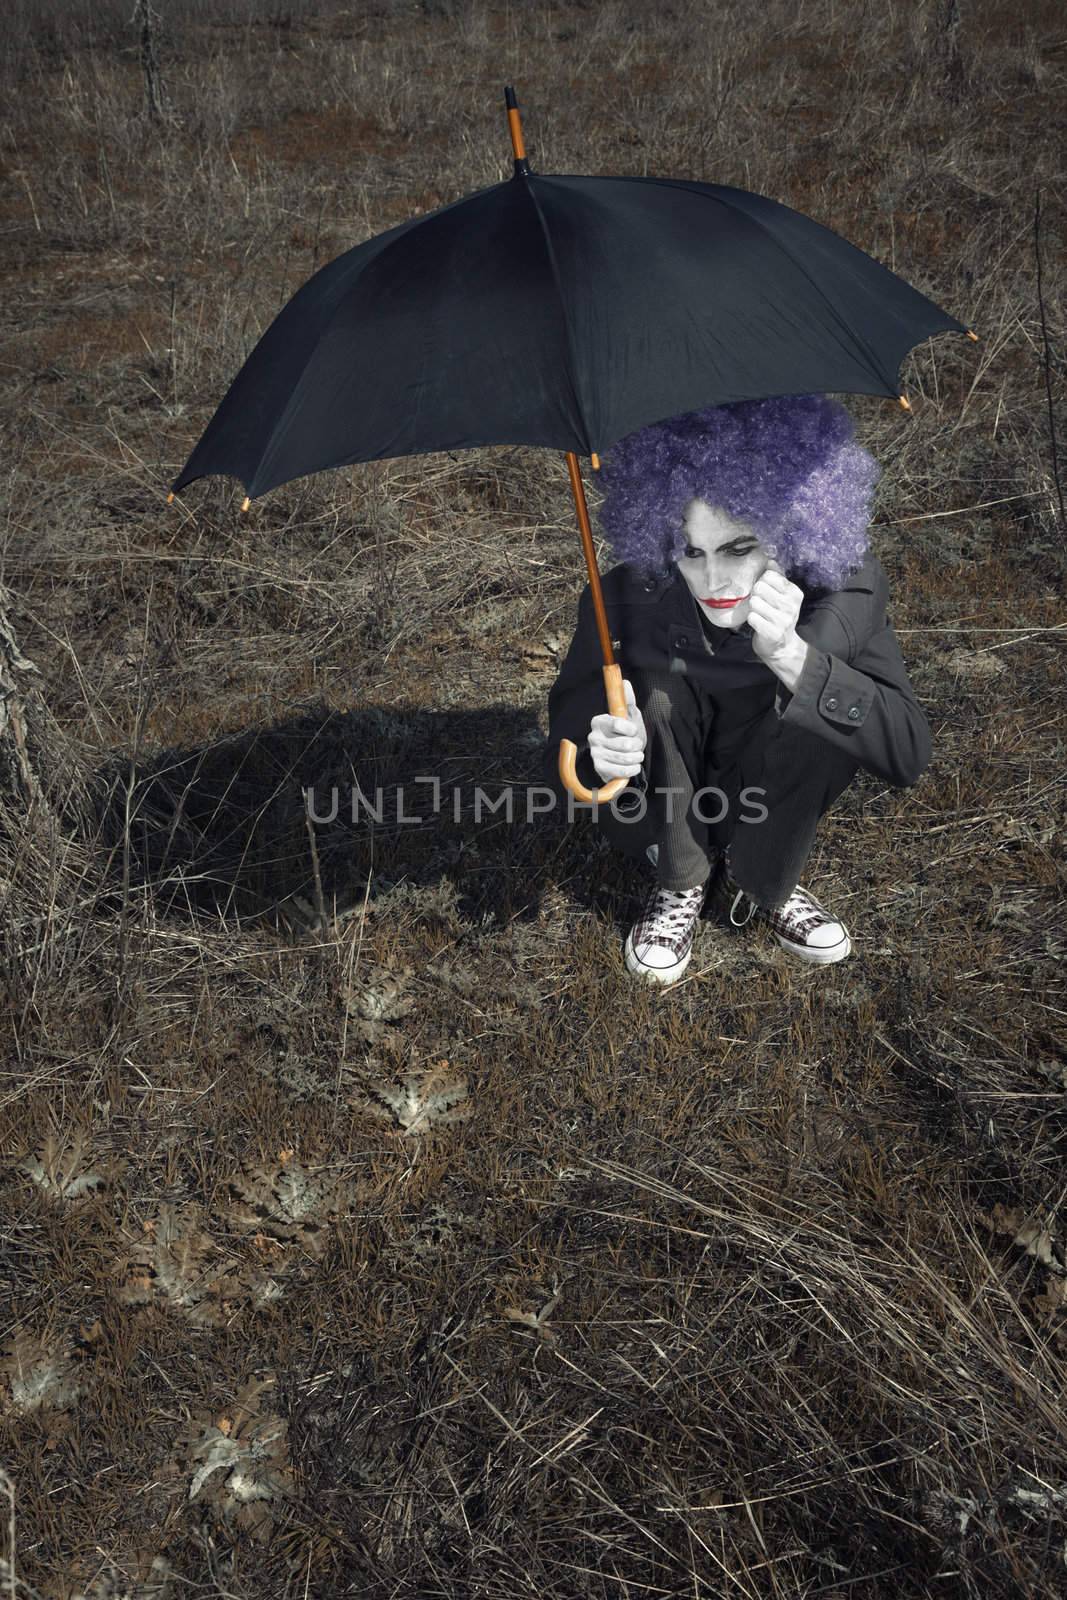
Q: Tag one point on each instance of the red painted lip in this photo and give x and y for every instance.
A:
(723, 604)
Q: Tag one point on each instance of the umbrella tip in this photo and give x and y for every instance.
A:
(971, 334)
(904, 401)
(595, 459)
(245, 503)
(170, 498)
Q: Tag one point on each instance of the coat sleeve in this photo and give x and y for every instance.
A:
(576, 697)
(866, 707)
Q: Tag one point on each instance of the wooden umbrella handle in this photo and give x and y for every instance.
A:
(613, 689)
(568, 751)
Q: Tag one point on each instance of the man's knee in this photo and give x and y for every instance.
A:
(808, 774)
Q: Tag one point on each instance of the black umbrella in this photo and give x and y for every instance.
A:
(564, 312)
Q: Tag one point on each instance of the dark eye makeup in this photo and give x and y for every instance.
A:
(729, 550)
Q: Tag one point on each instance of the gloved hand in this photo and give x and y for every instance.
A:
(617, 744)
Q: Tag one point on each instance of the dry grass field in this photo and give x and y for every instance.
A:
(366, 1230)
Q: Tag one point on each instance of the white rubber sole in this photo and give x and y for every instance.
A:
(818, 958)
(641, 969)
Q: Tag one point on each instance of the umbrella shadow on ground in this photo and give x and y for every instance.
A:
(392, 796)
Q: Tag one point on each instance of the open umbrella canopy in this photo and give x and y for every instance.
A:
(559, 311)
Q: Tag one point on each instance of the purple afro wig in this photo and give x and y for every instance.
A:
(789, 467)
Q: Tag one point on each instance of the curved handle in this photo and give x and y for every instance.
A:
(568, 750)
(568, 755)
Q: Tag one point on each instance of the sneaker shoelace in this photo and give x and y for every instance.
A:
(730, 895)
(669, 914)
(803, 911)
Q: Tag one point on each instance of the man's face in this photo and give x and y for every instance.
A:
(721, 561)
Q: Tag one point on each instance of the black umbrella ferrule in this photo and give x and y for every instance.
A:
(522, 167)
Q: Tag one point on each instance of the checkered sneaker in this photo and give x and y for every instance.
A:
(804, 927)
(660, 943)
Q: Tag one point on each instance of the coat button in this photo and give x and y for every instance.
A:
(616, 644)
(682, 640)
(831, 704)
(854, 713)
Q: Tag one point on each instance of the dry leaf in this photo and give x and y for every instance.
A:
(289, 1203)
(1052, 1302)
(539, 1322)
(240, 1471)
(382, 999)
(429, 1098)
(63, 1171)
(1033, 1236)
(39, 1374)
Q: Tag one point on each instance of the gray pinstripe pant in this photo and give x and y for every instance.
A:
(792, 777)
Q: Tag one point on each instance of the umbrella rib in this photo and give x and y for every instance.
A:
(854, 337)
(276, 438)
(849, 331)
(386, 241)
(528, 185)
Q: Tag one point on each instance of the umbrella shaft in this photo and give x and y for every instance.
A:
(578, 490)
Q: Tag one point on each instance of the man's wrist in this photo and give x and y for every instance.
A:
(789, 662)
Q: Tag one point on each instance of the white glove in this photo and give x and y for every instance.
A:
(617, 744)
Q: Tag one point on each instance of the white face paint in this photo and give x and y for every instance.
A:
(721, 561)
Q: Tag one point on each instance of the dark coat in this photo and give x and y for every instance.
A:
(853, 691)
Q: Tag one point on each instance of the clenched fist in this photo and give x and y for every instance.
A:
(617, 744)
(773, 609)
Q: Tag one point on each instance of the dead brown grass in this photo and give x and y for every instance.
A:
(366, 1231)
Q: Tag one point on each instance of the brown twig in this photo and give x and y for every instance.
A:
(320, 904)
